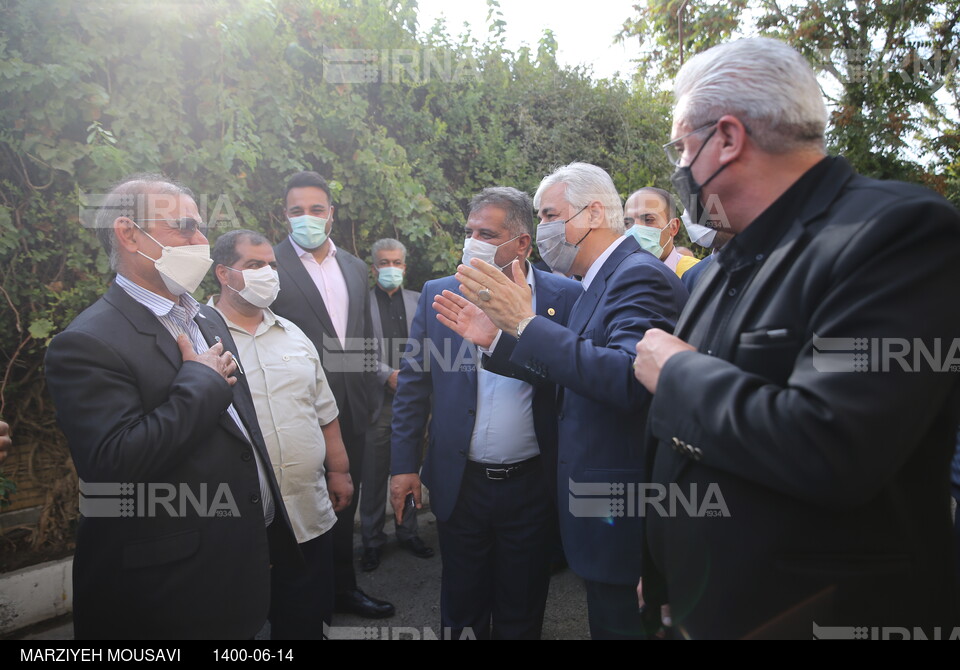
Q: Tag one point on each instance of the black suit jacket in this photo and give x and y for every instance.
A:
(299, 300)
(835, 482)
(135, 414)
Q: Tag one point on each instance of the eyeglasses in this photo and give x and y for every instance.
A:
(187, 227)
(673, 152)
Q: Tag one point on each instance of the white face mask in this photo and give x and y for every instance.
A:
(181, 268)
(261, 286)
(483, 250)
(698, 233)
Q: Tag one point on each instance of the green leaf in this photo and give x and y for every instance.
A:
(41, 329)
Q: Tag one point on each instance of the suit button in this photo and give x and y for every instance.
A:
(697, 454)
(560, 416)
(471, 412)
(254, 498)
(462, 452)
(675, 444)
(246, 456)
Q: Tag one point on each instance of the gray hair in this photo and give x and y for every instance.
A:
(388, 244)
(585, 184)
(765, 83)
(130, 198)
(224, 252)
(514, 202)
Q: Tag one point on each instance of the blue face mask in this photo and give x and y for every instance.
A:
(310, 232)
(389, 278)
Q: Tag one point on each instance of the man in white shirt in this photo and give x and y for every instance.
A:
(297, 414)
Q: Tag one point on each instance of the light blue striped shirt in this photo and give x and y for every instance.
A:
(178, 319)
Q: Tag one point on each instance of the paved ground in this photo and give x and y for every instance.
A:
(413, 585)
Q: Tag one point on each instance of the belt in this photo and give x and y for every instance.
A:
(499, 471)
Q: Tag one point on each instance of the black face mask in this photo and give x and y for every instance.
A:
(689, 190)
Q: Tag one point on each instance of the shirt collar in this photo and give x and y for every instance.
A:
(755, 242)
(601, 259)
(157, 304)
(672, 259)
(301, 252)
(269, 318)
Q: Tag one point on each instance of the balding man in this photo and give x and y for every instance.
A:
(178, 499)
(786, 387)
(650, 215)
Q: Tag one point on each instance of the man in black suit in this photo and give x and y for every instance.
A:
(782, 389)
(324, 291)
(145, 391)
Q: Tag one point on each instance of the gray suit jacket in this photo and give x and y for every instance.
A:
(410, 299)
(349, 371)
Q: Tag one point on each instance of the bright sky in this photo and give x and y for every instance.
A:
(584, 29)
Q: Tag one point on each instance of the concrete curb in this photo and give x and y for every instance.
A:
(35, 593)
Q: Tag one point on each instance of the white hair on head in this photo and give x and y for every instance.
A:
(765, 83)
(586, 183)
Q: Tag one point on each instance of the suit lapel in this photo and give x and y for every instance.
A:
(289, 262)
(547, 298)
(586, 304)
(145, 323)
(211, 328)
(410, 299)
(356, 287)
(376, 322)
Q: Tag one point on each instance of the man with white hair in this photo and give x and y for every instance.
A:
(790, 388)
(602, 408)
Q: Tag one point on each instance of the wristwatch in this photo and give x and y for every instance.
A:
(523, 324)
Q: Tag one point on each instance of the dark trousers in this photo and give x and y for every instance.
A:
(495, 552)
(613, 611)
(301, 603)
(343, 568)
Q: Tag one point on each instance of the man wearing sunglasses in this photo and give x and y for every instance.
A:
(147, 393)
(778, 388)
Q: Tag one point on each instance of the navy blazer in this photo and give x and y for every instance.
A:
(603, 409)
(439, 376)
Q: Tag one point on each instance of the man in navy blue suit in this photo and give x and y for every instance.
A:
(602, 409)
(491, 459)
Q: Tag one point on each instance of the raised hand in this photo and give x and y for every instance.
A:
(507, 302)
(465, 319)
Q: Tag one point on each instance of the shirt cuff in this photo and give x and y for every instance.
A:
(493, 345)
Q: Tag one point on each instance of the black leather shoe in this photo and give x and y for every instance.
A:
(370, 560)
(359, 603)
(416, 547)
